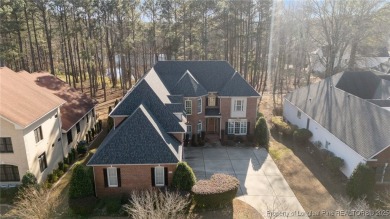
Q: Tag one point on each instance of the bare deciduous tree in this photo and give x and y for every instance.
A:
(156, 204)
(34, 202)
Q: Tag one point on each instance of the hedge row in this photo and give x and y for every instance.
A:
(217, 192)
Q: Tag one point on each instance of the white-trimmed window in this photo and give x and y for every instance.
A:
(112, 177)
(159, 178)
(188, 107)
(199, 128)
(199, 105)
(42, 161)
(239, 105)
(189, 129)
(237, 127)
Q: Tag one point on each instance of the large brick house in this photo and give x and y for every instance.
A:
(151, 120)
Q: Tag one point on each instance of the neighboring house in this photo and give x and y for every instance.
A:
(349, 114)
(30, 129)
(150, 122)
(318, 58)
(77, 113)
(56, 132)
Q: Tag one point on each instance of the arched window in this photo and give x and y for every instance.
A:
(9, 173)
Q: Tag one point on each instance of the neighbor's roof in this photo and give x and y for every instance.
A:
(142, 93)
(127, 144)
(343, 105)
(77, 103)
(21, 101)
(211, 75)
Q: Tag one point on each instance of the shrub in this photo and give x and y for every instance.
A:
(80, 183)
(29, 180)
(66, 160)
(302, 135)
(259, 115)
(217, 192)
(50, 178)
(334, 163)
(282, 126)
(83, 206)
(61, 166)
(183, 178)
(66, 167)
(113, 204)
(82, 147)
(262, 132)
(8, 194)
(58, 173)
(156, 204)
(361, 183)
(74, 154)
(70, 158)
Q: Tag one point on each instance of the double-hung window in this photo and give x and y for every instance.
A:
(199, 105)
(188, 107)
(159, 178)
(6, 145)
(38, 134)
(9, 173)
(189, 129)
(112, 177)
(239, 105)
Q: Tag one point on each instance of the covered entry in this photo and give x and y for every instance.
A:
(212, 125)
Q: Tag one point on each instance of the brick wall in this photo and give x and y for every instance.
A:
(133, 177)
(382, 158)
(118, 120)
(194, 118)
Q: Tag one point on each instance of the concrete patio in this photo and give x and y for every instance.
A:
(261, 183)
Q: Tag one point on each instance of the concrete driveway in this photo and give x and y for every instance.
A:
(261, 183)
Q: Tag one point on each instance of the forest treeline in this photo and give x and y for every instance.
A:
(85, 39)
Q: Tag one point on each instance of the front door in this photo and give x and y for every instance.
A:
(211, 125)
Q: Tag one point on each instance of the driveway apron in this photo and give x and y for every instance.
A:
(262, 185)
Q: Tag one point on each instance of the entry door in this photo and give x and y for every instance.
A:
(211, 125)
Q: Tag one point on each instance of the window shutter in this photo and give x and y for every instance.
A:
(247, 128)
(207, 101)
(105, 177)
(153, 182)
(226, 128)
(166, 176)
(216, 101)
(118, 175)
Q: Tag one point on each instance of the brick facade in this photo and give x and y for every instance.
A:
(382, 158)
(194, 118)
(133, 177)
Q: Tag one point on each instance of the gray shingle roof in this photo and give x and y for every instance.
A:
(212, 75)
(176, 98)
(175, 107)
(238, 86)
(143, 93)
(188, 86)
(127, 144)
(362, 125)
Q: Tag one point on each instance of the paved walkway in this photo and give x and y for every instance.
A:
(261, 183)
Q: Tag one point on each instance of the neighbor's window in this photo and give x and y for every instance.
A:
(239, 105)
(78, 127)
(159, 178)
(9, 173)
(6, 145)
(38, 134)
(42, 161)
(199, 105)
(188, 107)
(69, 136)
(299, 114)
(112, 177)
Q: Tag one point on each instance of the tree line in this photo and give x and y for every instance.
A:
(269, 42)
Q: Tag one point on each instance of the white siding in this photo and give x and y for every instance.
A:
(238, 114)
(339, 148)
